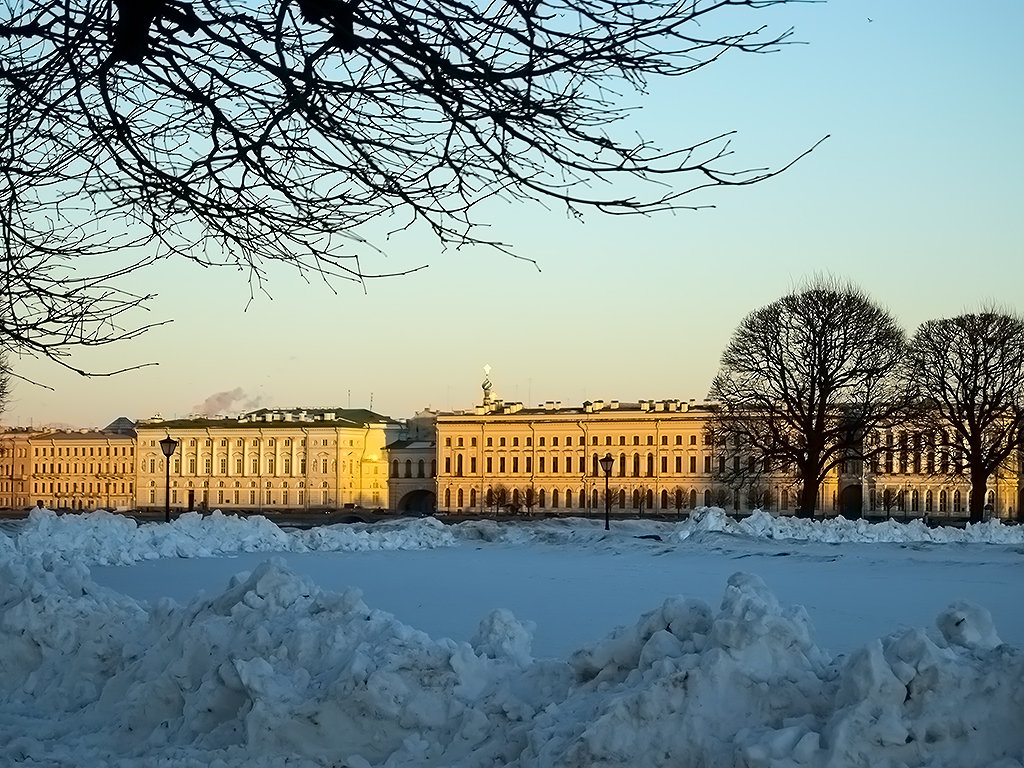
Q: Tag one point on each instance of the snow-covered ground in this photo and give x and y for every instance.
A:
(218, 641)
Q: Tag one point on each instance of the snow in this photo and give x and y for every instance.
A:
(772, 642)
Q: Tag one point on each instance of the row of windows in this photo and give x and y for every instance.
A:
(59, 487)
(270, 464)
(421, 467)
(73, 469)
(128, 450)
(555, 498)
(594, 440)
(270, 442)
(641, 466)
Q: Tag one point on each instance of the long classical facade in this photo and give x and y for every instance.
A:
(69, 469)
(271, 459)
(546, 460)
(496, 457)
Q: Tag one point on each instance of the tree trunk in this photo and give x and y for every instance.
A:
(977, 504)
(808, 499)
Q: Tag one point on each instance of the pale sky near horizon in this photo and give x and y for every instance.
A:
(916, 197)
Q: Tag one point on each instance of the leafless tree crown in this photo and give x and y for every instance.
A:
(248, 132)
(968, 374)
(803, 380)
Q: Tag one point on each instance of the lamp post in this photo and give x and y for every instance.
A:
(606, 464)
(167, 445)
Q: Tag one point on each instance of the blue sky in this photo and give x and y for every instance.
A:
(916, 196)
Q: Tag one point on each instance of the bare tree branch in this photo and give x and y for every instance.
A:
(246, 133)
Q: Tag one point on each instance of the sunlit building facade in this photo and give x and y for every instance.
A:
(75, 470)
(275, 460)
(545, 460)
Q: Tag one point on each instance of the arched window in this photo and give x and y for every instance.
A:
(622, 499)
(707, 497)
(419, 468)
(459, 498)
(990, 500)
(554, 499)
(515, 497)
(943, 503)
(472, 498)
(541, 498)
(622, 465)
(928, 501)
(568, 499)
(408, 467)
(594, 500)
(664, 499)
(650, 465)
(394, 468)
(597, 467)
(636, 465)
(693, 499)
(636, 499)
(956, 501)
(458, 465)
(915, 501)
(433, 467)
(447, 497)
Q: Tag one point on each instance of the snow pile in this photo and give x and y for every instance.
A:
(761, 524)
(275, 671)
(102, 538)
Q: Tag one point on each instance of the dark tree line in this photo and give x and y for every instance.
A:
(248, 133)
(806, 381)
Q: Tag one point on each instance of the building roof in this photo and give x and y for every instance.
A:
(399, 445)
(121, 425)
(276, 418)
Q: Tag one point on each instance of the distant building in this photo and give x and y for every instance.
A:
(299, 459)
(502, 456)
(412, 479)
(69, 469)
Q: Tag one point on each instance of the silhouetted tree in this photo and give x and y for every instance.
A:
(248, 134)
(968, 372)
(803, 380)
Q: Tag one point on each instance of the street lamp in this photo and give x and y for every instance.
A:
(606, 464)
(167, 445)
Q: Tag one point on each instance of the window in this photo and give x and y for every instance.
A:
(664, 464)
(323, 466)
(554, 464)
(255, 466)
(191, 466)
(501, 442)
(223, 466)
(540, 464)
(529, 442)
(460, 442)
(472, 442)
(447, 465)
(515, 442)
(448, 442)
(554, 442)
(540, 442)
(238, 466)
(529, 464)
(501, 464)
(490, 442)
(515, 464)
(488, 461)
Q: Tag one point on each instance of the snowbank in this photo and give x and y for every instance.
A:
(273, 671)
(102, 538)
